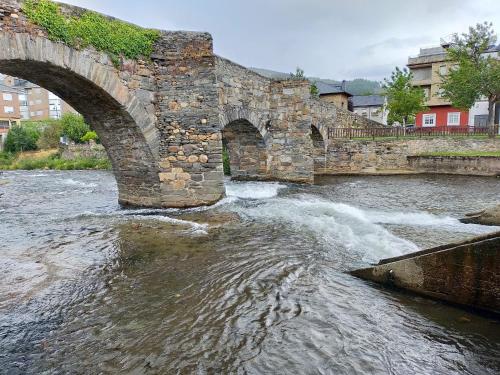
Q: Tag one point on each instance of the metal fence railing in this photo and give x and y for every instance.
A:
(398, 132)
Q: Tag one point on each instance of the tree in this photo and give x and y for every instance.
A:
(404, 101)
(50, 136)
(74, 127)
(19, 139)
(474, 73)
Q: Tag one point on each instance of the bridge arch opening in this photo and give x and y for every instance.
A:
(246, 150)
(92, 87)
(318, 150)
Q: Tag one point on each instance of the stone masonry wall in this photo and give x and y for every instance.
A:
(86, 150)
(461, 165)
(277, 110)
(372, 157)
(157, 118)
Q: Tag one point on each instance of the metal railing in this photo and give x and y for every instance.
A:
(398, 132)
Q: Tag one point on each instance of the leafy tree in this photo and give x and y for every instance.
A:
(475, 74)
(74, 127)
(404, 101)
(19, 139)
(50, 136)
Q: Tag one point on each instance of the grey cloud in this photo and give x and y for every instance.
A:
(331, 39)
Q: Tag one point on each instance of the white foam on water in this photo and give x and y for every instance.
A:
(149, 215)
(253, 190)
(72, 182)
(194, 228)
(334, 224)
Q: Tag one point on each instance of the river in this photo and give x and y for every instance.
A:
(256, 284)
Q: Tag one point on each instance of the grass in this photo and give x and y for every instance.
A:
(116, 38)
(463, 153)
(49, 159)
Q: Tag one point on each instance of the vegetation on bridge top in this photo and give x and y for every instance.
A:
(116, 38)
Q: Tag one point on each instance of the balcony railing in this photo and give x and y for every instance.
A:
(398, 132)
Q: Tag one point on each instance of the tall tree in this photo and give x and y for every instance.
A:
(404, 100)
(475, 73)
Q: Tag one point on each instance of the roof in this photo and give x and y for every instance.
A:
(368, 101)
(5, 88)
(327, 88)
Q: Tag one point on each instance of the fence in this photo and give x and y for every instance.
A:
(389, 132)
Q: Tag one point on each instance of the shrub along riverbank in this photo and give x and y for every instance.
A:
(49, 160)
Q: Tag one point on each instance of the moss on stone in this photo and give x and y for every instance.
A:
(116, 38)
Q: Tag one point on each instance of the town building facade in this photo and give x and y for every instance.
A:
(35, 102)
(371, 107)
(334, 93)
(427, 69)
(9, 110)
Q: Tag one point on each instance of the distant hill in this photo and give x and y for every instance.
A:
(357, 86)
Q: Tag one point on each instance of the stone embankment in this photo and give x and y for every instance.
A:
(90, 150)
(406, 156)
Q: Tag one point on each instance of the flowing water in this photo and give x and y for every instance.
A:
(256, 284)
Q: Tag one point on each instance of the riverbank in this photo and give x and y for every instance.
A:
(50, 159)
(468, 156)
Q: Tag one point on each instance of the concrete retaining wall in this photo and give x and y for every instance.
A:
(462, 165)
(465, 273)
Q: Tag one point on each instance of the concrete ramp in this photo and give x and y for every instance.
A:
(465, 273)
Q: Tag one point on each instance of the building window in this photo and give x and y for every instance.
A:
(7, 97)
(443, 70)
(454, 118)
(8, 109)
(23, 101)
(39, 113)
(364, 114)
(429, 119)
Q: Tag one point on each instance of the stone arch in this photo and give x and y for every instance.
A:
(318, 149)
(89, 82)
(245, 143)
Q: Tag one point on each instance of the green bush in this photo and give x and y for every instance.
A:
(90, 136)
(20, 139)
(117, 38)
(225, 161)
(50, 136)
(6, 159)
(74, 127)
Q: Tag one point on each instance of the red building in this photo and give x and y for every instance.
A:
(427, 69)
(443, 115)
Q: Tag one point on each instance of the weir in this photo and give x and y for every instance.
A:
(465, 273)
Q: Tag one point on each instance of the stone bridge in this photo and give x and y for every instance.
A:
(163, 120)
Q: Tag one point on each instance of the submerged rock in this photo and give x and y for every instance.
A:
(490, 216)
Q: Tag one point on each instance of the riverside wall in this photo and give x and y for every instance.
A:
(406, 156)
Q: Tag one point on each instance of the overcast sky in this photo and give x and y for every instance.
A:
(328, 38)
